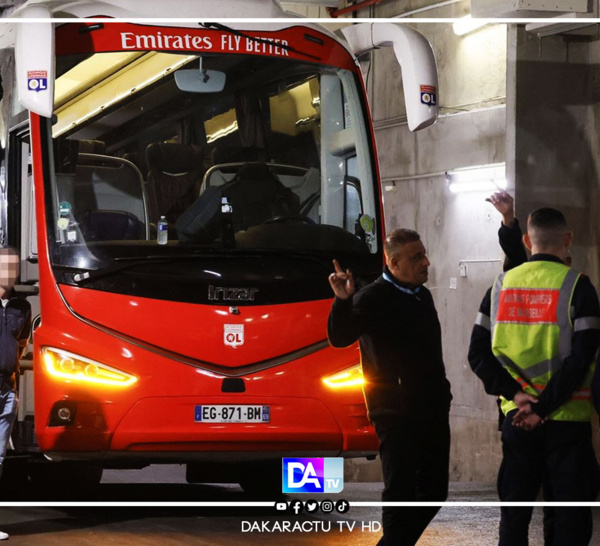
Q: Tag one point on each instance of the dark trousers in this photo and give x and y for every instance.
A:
(559, 455)
(414, 459)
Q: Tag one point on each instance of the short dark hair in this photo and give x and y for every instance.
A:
(398, 238)
(546, 227)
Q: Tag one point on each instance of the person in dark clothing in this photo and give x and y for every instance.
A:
(540, 357)
(406, 390)
(15, 326)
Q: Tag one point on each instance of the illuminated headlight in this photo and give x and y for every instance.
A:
(351, 377)
(71, 367)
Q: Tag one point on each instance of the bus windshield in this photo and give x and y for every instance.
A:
(217, 155)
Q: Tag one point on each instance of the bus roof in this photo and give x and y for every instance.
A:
(162, 11)
(160, 8)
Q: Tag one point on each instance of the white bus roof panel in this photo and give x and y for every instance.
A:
(161, 8)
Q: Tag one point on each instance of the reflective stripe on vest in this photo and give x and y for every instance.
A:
(532, 331)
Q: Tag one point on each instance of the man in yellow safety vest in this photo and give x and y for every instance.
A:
(534, 343)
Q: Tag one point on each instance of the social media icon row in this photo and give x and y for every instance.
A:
(311, 506)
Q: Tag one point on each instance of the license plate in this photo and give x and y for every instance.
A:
(232, 414)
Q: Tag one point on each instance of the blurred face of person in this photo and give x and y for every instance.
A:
(9, 268)
(409, 264)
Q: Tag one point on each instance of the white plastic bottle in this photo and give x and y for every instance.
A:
(227, 221)
(163, 231)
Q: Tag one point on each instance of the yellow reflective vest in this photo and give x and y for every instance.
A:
(531, 330)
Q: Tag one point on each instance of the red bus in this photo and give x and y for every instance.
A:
(179, 190)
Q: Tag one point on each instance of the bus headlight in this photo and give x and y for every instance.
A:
(350, 377)
(71, 367)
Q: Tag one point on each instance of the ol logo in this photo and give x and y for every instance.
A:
(233, 335)
(428, 95)
(313, 475)
(37, 80)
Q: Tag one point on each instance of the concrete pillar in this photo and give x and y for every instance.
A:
(555, 135)
(455, 227)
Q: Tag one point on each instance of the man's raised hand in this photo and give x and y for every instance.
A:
(341, 282)
(505, 205)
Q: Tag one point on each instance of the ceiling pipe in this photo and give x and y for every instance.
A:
(333, 12)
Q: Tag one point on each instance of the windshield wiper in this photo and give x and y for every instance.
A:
(291, 253)
(93, 274)
(219, 26)
(127, 262)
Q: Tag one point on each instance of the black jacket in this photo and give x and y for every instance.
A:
(511, 241)
(401, 351)
(15, 327)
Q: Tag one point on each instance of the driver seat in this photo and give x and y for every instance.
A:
(174, 176)
(257, 195)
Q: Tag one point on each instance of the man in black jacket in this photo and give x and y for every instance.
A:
(406, 390)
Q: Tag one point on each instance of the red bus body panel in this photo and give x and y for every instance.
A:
(156, 415)
(197, 331)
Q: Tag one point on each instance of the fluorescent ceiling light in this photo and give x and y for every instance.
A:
(467, 24)
(484, 178)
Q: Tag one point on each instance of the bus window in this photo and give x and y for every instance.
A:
(220, 126)
(279, 143)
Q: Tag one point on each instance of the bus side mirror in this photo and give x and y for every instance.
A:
(416, 59)
(34, 61)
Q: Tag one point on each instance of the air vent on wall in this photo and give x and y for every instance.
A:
(528, 8)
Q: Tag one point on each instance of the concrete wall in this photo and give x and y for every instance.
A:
(556, 134)
(555, 156)
(454, 227)
(548, 135)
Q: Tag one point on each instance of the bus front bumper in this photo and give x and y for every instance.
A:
(172, 429)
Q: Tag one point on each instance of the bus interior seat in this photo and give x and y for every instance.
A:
(93, 182)
(200, 222)
(139, 160)
(174, 176)
(219, 175)
(237, 154)
(105, 183)
(66, 153)
(226, 160)
(110, 225)
(257, 195)
(92, 147)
